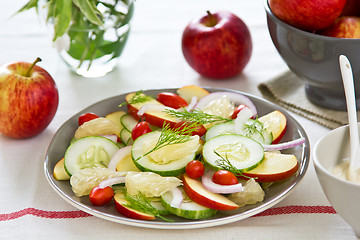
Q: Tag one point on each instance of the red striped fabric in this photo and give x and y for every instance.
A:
(43, 214)
(294, 209)
(297, 210)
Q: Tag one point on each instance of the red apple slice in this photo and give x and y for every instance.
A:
(274, 122)
(120, 204)
(156, 118)
(196, 192)
(274, 167)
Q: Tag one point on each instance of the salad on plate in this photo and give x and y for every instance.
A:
(191, 154)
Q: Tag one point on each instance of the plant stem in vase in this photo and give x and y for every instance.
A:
(96, 32)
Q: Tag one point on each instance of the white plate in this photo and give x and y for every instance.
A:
(274, 195)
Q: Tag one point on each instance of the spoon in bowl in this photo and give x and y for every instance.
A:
(348, 81)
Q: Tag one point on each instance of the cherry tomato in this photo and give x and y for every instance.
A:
(100, 196)
(224, 177)
(200, 130)
(195, 169)
(237, 110)
(87, 117)
(140, 129)
(171, 100)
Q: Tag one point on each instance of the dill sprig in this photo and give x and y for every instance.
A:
(139, 97)
(196, 115)
(141, 203)
(225, 163)
(169, 136)
(254, 126)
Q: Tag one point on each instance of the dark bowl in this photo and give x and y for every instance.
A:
(315, 59)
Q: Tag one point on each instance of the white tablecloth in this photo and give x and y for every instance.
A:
(30, 209)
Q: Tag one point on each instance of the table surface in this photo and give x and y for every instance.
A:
(152, 59)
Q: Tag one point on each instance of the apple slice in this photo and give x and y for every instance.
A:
(196, 192)
(115, 117)
(189, 91)
(125, 162)
(274, 167)
(155, 118)
(274, 122)
(120, 204)
(60, 172)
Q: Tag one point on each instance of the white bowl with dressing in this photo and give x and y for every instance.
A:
(344, 196)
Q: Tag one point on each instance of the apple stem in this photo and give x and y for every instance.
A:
(32, 66)
(212, 20)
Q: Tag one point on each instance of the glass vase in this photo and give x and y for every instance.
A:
(94, 50)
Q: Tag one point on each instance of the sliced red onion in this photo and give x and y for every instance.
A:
(244, 115)
(152, 108)
(192, 104)
(177, 198)
(218, 188)
(237, 98)
(120, 154)
(112, 137)
(285, 145)
(111, 181)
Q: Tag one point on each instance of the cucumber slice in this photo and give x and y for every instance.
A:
(120, 144)
(258, 126)
(89, 152)
(160, 207)
(128, 122)
(146, 164)
(229, 128)
(220, 129)
(125, 137)
(243, 153)
(268, 137)
(188, 209)
(257, 132)
(252, 133)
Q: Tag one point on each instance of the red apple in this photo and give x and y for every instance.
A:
(275, 167)
(28, 99)
(217, 45)
(196, 192)
(121, 206)
(344, 27)
(309, 15)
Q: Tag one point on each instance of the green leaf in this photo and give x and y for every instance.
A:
(29, 5)
(51, 9)
(89, 10)
(115, 48)
(129, 14)
(62, 17)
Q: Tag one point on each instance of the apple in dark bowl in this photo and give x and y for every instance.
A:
(314, 57)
